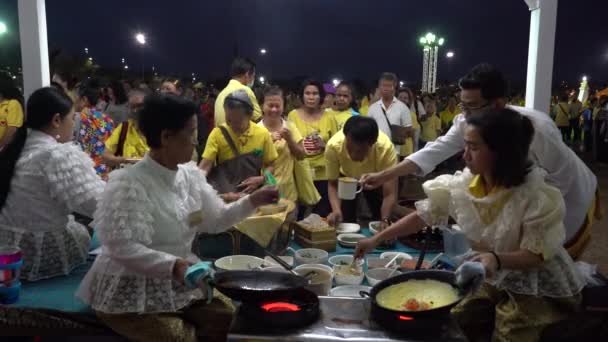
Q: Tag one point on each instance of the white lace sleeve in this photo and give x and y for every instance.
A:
(216, 215)
(72, 178)
(436, 208)
(125, 226)
(543, 229)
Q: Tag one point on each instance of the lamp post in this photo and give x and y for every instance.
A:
(430, 48)
(3, 28)
(140, 38)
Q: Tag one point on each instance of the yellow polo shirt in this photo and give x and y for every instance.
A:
(135, 144)
(562, 118)
(234, 85)
(364, 108)
(430, 128)
(381, 156)
(326, 127)
(487, 212)
(408, 148)
(343, 116)
(254, 138)
(11, 115)
(447, 116)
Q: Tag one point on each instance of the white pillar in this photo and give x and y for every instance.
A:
(543, 20)
(34, 46)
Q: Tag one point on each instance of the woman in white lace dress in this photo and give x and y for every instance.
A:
(146, 221)
(44, 178)
(513, 220)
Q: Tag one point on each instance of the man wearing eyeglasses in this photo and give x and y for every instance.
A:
(484, 88)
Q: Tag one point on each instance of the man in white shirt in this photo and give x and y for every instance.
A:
(483, 88)
(388, 110)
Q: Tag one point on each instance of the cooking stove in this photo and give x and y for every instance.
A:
(339, 319)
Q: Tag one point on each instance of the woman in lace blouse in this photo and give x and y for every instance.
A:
(43, 179)
(146, 220)
(513, 220)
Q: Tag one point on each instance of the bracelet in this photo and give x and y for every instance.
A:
(498, 263)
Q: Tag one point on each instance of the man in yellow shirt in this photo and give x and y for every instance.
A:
(358, 149)
(430, 123)
(242, 72)
(247, 137)
(447, 116)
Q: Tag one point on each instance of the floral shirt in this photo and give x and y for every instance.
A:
(95, 129)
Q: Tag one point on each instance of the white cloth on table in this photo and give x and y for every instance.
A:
(147, 219)
(564, 169)
(51, 180)
(530, 219)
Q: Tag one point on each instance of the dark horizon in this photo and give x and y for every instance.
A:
(321, 38)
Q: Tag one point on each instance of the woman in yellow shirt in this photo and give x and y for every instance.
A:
(247, 137)
(318, 126)
(134, 146)
(406, 96)
(430, 123)
(562, 118)
(346, 105)
(11, 111)
(286, 138)
(450, 112)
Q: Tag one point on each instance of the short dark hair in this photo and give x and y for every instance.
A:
(311, 82)
(241, 66)
(119, 92)
(488, 79)
(508, 135)
(272, 90)
(362, 130)
(564, 97)
(163, 112)
(388, 76)
(90, 92)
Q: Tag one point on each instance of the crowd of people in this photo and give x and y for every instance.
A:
(153, 167)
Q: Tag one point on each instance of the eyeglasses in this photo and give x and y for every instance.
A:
(468, 109)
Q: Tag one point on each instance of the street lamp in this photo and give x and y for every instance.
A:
(123, 60)
(450, 54)
(263, 51)
(86, 50)
(3, 28)
(126, 67)
(335, 82)
(262, 79)
(140, 38)
(91, 59)
(430, 47)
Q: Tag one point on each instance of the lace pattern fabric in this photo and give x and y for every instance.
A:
(530, 219)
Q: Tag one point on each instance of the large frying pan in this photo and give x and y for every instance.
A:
(256, 286)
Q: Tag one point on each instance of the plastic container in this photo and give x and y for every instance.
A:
(455, 243)
(10, 270)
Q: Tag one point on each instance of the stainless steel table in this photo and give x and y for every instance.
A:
(341, 319)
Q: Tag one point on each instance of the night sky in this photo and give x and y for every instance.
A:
(324, 38)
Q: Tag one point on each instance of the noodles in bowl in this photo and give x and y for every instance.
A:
(417, 295)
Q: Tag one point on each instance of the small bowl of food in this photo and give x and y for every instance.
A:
(348, 228)
(238, 263)
(388, 256)
(376, 275)
(374, 227)
(350, 239)
(311, 256)
(320, 277)
(347, 275)
(343, 260)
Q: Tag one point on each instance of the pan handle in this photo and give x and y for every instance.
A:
(365, 294)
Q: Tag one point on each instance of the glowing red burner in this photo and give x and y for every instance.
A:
(405, 318)
(280, 307)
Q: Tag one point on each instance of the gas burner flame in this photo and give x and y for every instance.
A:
(280, 307)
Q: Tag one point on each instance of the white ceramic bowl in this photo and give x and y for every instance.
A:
(311, 256)
(238, 263)
(348, 228)
(321, 282)
(343, 260)
(388, 256)
(350, 239)
(343, 275)
(374, 227)
(349, 291)
(376, 275)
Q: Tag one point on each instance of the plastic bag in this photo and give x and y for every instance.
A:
(307, 192)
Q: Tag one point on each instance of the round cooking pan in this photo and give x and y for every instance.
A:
(400, 319)
(256, 286)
